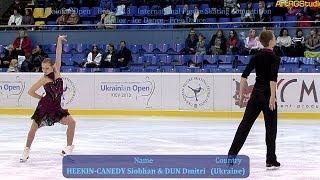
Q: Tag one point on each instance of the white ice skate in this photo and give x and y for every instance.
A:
(67, 150)
(25, 155)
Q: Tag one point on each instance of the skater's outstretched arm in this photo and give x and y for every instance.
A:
(57, 64)
(35, 87)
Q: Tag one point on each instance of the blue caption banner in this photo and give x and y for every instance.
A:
(155, 166)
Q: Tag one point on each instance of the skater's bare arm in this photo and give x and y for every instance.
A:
(57, 64)
(35, 87)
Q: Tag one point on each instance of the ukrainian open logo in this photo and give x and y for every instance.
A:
(139, 91)
(69, 91)
(12, 90)
(195, 92)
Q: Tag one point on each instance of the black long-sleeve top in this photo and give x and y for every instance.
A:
(266, 64)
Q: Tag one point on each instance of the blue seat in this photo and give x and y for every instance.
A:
(179, 60)
(138, 60)
(135, 26)
(50, 23)
(109, 70)
(181, 69)
(95, 11)
(152, 69)
(194, 70)
(52, 56)
(168, 69)
(225, 58)
(308, 69)
(291, 18)
(67, 60)
(224, 20)
(51, 48)
(165, 59)
(212, 60)
(151, 59)
(68, 69)
(277, 19)
(1, 49)
(204, 7)
(243, 5)
(240, 68)
(197, 59)
(78, 58)
(178, 47)
(211, 20)
(237, 21)
(226, 69)
(83, 69)
(225, 62)
(136, 68)
(102, 47)
(134, 48)
(149, 48)
(89, 24)
(68, 47)
(290, 64)
(80, 48)
(291, 60)
(163, 47)
(307, 61)
(291, 67)
(206, 69)
(244, 59)
(122, 24)
(255, 5)
(307, 65)
(179, 9)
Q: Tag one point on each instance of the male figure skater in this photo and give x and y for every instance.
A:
(263, 98)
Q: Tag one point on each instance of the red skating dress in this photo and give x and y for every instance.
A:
(49, 110)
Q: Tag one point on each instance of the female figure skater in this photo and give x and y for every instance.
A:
(263, 98)
(49, 110)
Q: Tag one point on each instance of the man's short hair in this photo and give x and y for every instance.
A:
(266, 37)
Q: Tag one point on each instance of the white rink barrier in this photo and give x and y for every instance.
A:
(160, 91)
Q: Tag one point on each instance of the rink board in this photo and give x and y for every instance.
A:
(152, 93)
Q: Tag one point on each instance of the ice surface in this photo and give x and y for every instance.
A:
(298, 146)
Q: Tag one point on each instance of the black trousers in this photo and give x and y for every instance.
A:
(259, 101)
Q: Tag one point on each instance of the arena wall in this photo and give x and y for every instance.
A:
(172, 94)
